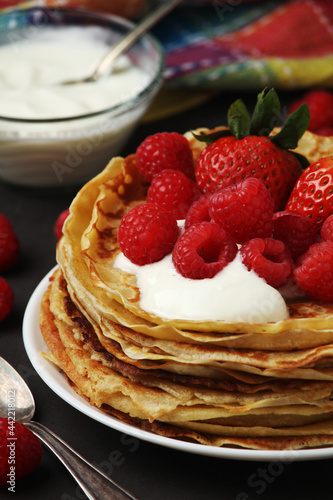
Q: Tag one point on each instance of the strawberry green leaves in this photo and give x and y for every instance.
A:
(239, 120)
(293, 128)
(266, 113)
(265, 117)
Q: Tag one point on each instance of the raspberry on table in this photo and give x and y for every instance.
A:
(9, 245)
(28, 450)
(6, 299)
(244, 209)
(174, 192)
(203, 250)
(326, 231)
(198, 211)
(296, 231)
(60, 222)
(164, 150)
(147, 233)
(314, 271)
(269, 258)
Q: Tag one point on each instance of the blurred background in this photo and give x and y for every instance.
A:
(233, 45)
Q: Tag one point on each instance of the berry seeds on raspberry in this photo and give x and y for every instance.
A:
(296, 231)
(198, 211)
(203, 250)
(174, 192)
(269, 258)
(147, 233)
(314, 271)
(326, 231)
(166, 150)
(244, 209)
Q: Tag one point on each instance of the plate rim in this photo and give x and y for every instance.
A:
(51, 376)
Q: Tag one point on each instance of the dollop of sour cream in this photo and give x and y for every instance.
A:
(234, 294)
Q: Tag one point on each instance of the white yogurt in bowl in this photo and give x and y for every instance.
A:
(58, 135)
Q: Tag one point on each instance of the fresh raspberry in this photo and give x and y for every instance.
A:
(164, 150)
(174, 192)
(203, 250)
(320, 103)
(147, 233)
(269, 258)
(6, 299)
(17, 443)
(296, 231)
(60, 222)
(245, 210)
(198, 211)
(326, 231)
(314, 271)
(9, 244)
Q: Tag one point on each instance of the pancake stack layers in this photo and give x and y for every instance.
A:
(238, 384)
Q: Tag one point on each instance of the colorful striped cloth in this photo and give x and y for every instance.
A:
(232, 44)
(235, 45)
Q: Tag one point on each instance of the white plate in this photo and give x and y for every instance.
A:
(34, 344)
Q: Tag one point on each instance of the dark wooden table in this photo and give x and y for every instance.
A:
(148, 471)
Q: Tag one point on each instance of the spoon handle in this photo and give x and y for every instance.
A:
(128, 40)
(94, 483)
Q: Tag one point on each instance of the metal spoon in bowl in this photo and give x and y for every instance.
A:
(95, 484)
(107, 62)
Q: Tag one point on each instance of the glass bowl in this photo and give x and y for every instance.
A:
(68, 151)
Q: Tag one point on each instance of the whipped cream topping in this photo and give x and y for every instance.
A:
(234, 294)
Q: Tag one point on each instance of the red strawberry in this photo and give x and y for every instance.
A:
(247, 150)
(313, 192)
(9, 244)
(320, 104)
(20, 450)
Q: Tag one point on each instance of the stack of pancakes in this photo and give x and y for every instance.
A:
(249, 385)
